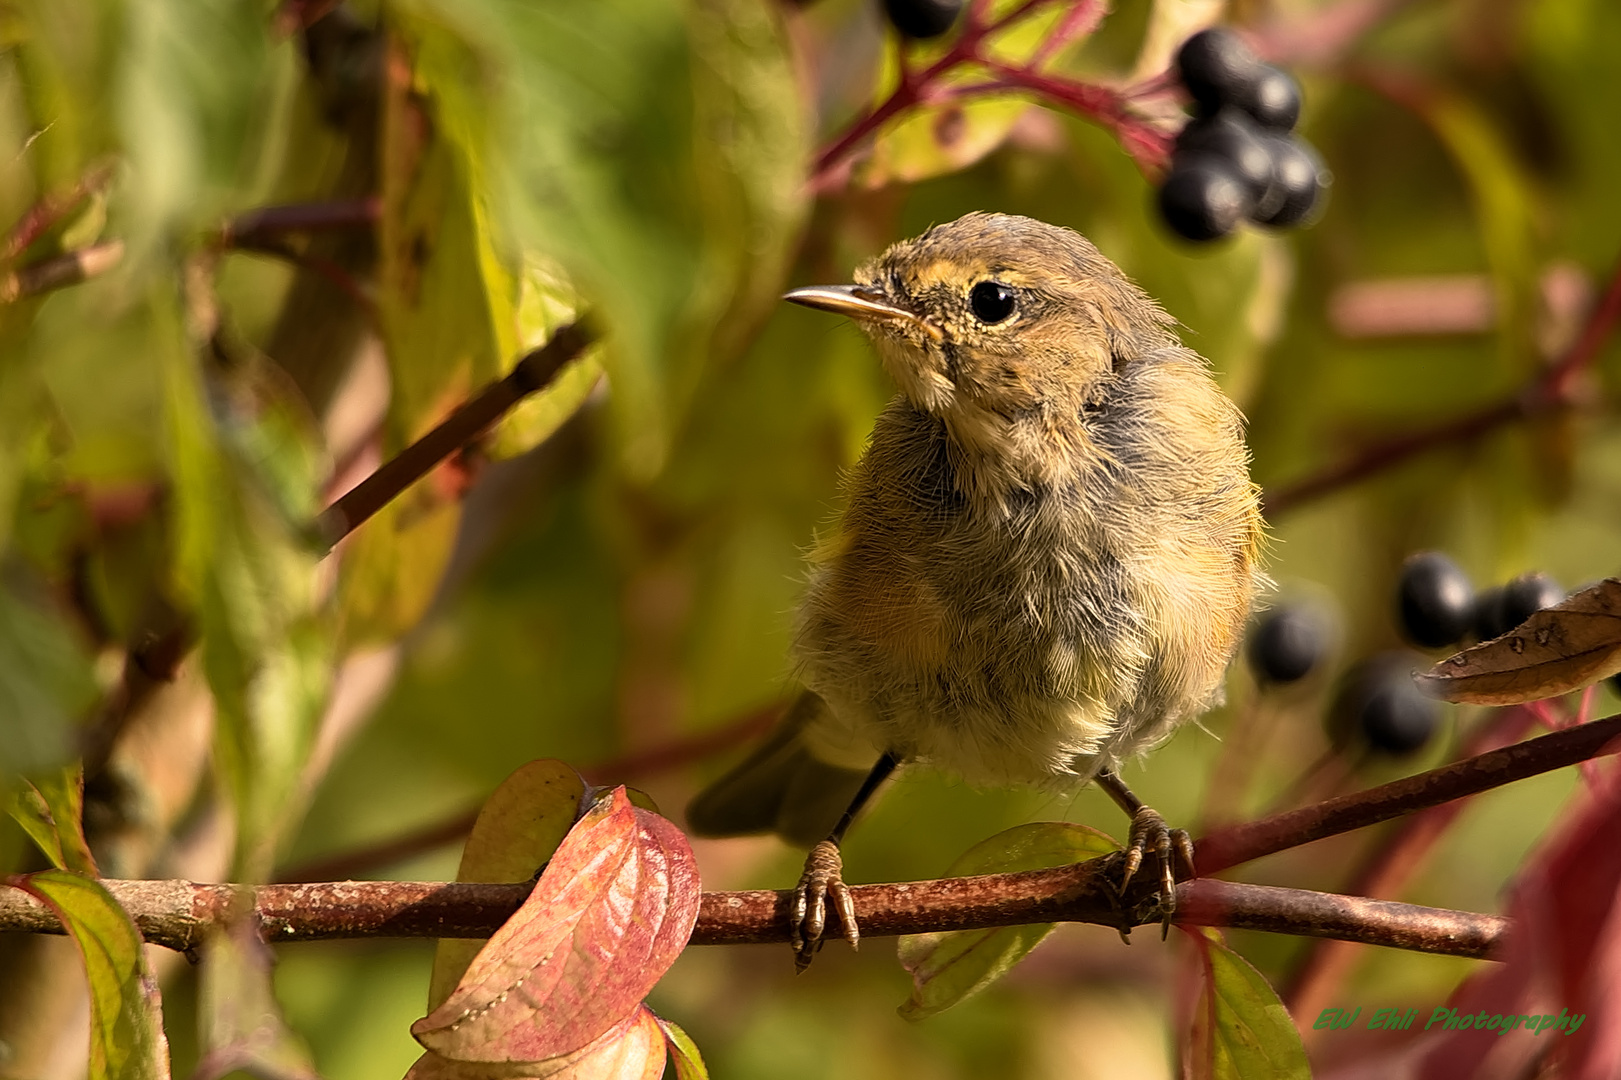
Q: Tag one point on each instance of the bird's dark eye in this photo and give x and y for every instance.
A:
(991, 301)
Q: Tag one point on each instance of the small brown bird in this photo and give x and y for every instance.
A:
(1046, 559)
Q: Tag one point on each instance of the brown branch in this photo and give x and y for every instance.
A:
(1552, 389)
(60, 271)
(1236, 844)
(179, 915)
(534, 372)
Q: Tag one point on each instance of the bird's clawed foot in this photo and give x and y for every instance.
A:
(1149, 833)
(821, 881)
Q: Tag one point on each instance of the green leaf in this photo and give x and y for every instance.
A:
(949, 967)
(46, 684)
(652, 150)
(1241, 1031)
(689, 1063)
(248, 573)
(126, 1013)
(518, 829)
(240, 1021)
(50, 808)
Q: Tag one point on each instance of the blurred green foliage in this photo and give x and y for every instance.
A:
(622, 572)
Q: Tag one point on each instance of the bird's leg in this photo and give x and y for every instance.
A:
(1149, 831)
(822, 878)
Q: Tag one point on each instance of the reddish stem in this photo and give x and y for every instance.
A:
(1551, 389)
(1386, 870)
(925, 88)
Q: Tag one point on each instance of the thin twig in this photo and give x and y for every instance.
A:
(60, 271)
(1148, 146)
(266, 244)
(337, 214)
(1236, 844)
(1550, 390)
(534, 372)
(39, 218)
(1388, 868)
(652, 762)
(180, 914)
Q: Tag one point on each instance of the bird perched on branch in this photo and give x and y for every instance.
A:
(1046, 558)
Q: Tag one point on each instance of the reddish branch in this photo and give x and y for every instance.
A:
(177, 914)
(1551, 390)
(533, 372)
(180, 915)
(1236, 844)
(47, 212)
(1388, 867)
(268, 221)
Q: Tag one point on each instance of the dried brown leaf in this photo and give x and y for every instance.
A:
(1559, 649)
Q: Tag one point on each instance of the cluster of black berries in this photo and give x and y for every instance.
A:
(1375, 703)
(1236, 159)
(1437, 607)
(922, 19)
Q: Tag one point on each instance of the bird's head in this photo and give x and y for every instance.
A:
(997, 318)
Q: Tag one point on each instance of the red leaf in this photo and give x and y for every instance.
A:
(608, 917)
(1562, 958)
(634, 1049)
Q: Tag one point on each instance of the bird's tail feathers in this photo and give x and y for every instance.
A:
(778, 788)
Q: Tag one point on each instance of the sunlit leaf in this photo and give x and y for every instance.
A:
(1240, 1028)
(611, 912)
(546, 302)
(689, 1063)
(633, 1049)
(518, 829)
(241, 1023)
(677, 236)
(1559, 649)
(948, 967)
(50, 808)
(126, 1013)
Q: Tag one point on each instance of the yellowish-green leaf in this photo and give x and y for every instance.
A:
(516, 833)
(546, 301)
(948, 967)
(1559, 649)
(689, 1063)
(1241, 1031)
(126, 1013)
(50, 808)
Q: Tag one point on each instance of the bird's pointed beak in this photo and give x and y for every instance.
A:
(864, 305)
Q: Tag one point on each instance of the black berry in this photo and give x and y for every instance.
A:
(1272, 98)
(922, 19)
(1379, 704)
(1286, 645)
(1232, 138)
(1216, 67)
(1497, 611)
(1203, 200)
(1296, 183)
(1434, 600)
